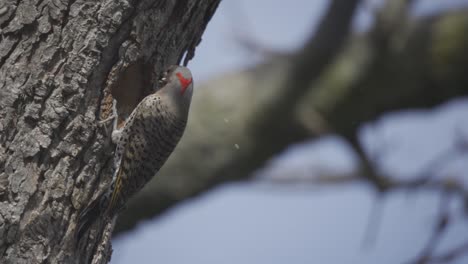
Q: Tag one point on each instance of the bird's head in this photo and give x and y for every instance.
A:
(178, 83)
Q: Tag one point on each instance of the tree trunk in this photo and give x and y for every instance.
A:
(60, 64)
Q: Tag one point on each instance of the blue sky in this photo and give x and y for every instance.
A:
(261, 223)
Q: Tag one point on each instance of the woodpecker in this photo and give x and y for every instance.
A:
(148, 137)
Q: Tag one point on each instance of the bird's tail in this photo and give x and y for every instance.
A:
(89, 215)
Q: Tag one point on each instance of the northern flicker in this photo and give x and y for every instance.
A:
(148, 137)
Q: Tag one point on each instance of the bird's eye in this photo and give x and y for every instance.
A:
(163, 79)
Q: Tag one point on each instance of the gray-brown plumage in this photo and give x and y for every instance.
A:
(148, 137)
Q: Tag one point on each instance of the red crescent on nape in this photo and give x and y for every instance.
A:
(183, 82)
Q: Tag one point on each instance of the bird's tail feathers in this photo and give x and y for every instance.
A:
(89, 215)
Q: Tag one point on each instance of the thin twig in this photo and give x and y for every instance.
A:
(437, 234)
(374, 221)
(450, 255)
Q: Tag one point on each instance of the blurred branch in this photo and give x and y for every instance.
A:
(448, 185)
(437, 234)
(448, 188)
(275, 117)
(242, 32)
(387, 39)
(450, 255)
(389, 20)
(318, 178)
(373, 224)
(368, 169)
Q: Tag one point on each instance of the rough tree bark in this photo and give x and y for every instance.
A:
(401, 63)
(59, 62)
